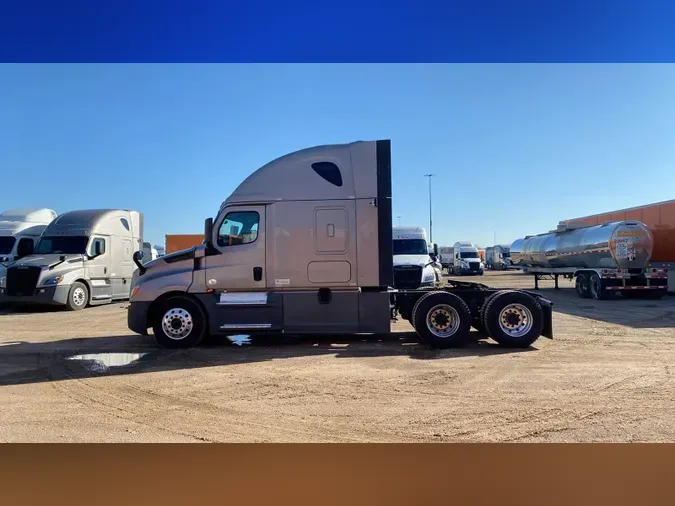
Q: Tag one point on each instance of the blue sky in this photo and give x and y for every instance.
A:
(516, 148)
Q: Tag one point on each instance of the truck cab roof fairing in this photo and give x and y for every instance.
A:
(305, 175)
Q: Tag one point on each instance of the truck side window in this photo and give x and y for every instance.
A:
(239, 227)
(329, 171)
(99, 244)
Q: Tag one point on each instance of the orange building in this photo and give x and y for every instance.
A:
(177, 242)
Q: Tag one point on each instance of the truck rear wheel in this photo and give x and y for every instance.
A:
(581, 286)
(78, 296)
(513, 319)
(179, 322)
(596, 288)
(442, 319)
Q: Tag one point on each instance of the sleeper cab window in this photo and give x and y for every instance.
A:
(238, 227)
(329, 171)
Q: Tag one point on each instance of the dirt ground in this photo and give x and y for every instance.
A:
(608, 375)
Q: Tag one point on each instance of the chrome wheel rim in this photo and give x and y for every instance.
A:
(443, 320)
(177, 324)
(79, 296)
(515, 320)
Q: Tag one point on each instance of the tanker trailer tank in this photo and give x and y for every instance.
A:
(603, 259)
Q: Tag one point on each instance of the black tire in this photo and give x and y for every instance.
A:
(596, 288)
(182, 311)
(484, 306)
(581, 286)
(520, 305)
(442, 303)
(78, 297)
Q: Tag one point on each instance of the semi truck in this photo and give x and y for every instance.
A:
(149, 252)
(660, 219)
(83, 258)
(445, 254)
(498, 258)
(414, 264)
(304, 245)
(604, 260)
(20, 229)
(466, 259)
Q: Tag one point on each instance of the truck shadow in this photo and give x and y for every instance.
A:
(24, 363)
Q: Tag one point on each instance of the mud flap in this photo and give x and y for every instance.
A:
(547, 307)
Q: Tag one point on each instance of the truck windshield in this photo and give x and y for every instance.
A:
(75, 244)
(410, 247)
(6, 245)
(506, 254)
(468, 254)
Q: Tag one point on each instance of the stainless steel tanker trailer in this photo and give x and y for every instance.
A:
(603, 259)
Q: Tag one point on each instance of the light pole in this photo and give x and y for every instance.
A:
(431, 234)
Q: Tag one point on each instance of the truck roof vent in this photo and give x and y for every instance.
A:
(329, 171)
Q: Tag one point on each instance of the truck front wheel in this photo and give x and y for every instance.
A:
(78, 297)
(179, 322)
(442, 319)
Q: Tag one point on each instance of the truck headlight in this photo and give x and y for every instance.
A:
(428, 277)
(53, 281)
(3, 282)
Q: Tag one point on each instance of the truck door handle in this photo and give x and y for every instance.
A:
(257, 273)
(105, 270)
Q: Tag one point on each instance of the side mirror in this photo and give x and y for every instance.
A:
(97, 249)
(208, 233)
(137, 257)
(436, 250)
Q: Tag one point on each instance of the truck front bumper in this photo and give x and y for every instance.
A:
(47, 296)
(137, 317)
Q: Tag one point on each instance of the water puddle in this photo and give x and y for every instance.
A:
(240, 340)
(101, 362)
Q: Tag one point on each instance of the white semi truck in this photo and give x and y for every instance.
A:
(466, 259)
(20, 230)
(83, 258)
(445, 257)
(304, 245)
(414, 265)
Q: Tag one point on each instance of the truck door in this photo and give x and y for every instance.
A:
(236, 274)
(98, 268)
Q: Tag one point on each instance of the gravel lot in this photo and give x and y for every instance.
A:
(607, 376)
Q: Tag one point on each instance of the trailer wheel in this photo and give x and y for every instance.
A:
(581, 286)
(596, 288)
(442, 319)
(78, 297)
(514, 319)
(179, 323)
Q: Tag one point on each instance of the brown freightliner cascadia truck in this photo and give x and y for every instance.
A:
(304, 246)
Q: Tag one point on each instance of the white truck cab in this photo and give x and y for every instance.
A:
(466, 259)
(20, 230)
(415, 261)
